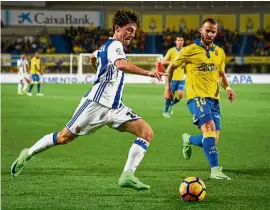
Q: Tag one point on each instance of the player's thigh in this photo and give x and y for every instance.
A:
(88, 118)
(125, 119)
(180, 88)
(201, 111)
(215, 109)
(139, 128)
(173, 85)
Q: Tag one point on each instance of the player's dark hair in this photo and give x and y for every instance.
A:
(125, 16)
(179, 36)
(209, 20)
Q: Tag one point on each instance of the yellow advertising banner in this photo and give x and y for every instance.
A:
(110, 18)
(266, 18)
(152, 23)
(257, 60)
(249, 22)
(224, 21)
(182, 22)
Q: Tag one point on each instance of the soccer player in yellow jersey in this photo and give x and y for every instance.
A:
(178, 80)
(205, 64)
(35, 73)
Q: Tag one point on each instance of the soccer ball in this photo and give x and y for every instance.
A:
(192, 189)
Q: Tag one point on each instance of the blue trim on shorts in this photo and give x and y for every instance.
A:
(79, 112)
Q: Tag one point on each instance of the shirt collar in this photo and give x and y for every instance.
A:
(199, 43)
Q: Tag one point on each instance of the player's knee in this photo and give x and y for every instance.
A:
(208, 126)
(180, 95)
(147, 134)
(64, 138)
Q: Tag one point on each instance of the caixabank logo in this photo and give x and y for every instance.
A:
(24, 17)
(45, 18)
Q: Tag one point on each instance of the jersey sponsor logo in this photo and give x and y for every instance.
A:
(119, 51)
(207, 67)
(216, 52)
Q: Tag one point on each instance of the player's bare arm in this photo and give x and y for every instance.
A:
(128, 67)
(225, 84)
(168, 93)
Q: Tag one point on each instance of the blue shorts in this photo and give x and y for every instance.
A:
(35, 77)
(203, 110)
(177, 85)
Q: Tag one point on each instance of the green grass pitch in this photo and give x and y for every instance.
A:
(84, 173)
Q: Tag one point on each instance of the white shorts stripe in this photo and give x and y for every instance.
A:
(78, 113)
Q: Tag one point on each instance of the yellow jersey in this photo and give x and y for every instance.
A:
(178, 73)
(202, 69)
(35, 62)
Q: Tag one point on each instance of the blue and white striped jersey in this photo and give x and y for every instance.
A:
(109, 82)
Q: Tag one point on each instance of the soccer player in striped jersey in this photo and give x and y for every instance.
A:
(102, 105)
(178, 80)
(205, 67)
(23, 74)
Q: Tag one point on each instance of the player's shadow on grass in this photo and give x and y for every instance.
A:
(250, 171)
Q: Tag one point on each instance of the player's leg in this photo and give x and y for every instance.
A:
(180, 92)
(25, 86)
(143, 133)
(46, 142)
(32, 84)
(20, 83)
(168, 102)
(39, 86)
(125, 120)
(209, 125)
(81, 117)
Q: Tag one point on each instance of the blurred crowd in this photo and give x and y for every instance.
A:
(28, 45)
(83, 39)
(89, 39)
(261, 45)
(225, 38)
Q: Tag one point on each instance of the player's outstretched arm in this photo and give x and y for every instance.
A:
(128, 67)
(225, 84)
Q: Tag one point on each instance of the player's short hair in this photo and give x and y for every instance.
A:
(179, 36)
(125, 16)
(209, 20)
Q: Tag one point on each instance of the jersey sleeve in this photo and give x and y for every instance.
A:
(168, 55)
(181, 58)
(116, 52)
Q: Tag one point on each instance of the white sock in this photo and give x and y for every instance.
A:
(44, 143)
(19, 87)
(25, 86)
(136, 154)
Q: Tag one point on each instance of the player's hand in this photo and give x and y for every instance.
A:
(231, 95)
(168, 94)
(157, 74)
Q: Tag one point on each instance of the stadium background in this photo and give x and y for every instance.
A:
(83, 175)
